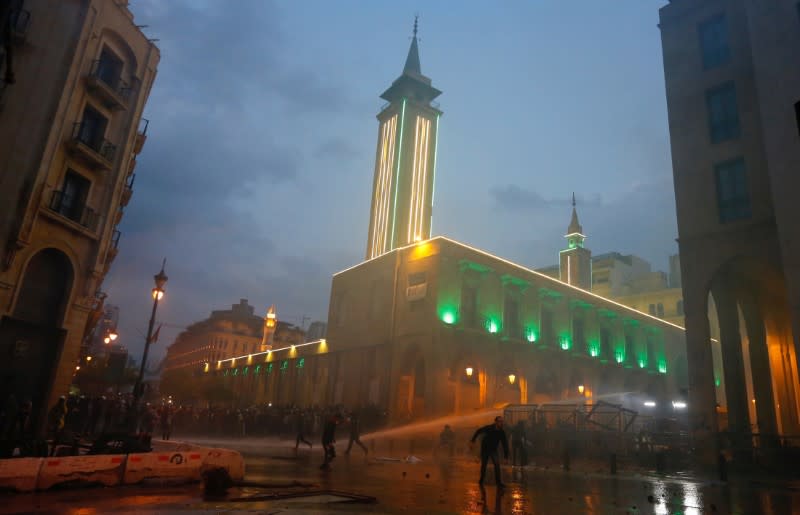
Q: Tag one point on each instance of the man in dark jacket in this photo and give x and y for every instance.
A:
(329, 439)
(493, 435)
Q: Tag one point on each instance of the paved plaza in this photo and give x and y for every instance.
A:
(429, 486)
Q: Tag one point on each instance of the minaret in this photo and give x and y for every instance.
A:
(575, 262)
(405, 160)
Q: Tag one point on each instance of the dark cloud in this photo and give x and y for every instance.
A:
(336, 149)
(516, 198)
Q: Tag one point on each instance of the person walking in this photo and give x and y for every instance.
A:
(447, 441)
(329, 440)
(518, 442)
(493, 434)
(300, 428)
(355, 434)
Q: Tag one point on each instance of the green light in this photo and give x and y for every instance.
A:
(642, 363)
(245, 371)
(492, 326)
(662, 366)
(397, 172)
(449, 318)
(284, 365)
(225, 372)
(301, 362)
(269, 368)
(565, 343)
(594, 352)
(257, 370)
(717, 382)
(236, 371)
(619, 356)
(530, 335)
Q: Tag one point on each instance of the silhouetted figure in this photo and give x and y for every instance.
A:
(300, 428)
(518, 451)
(355, 434)
(329, 439)
(493, 435)
(56, 419)
(166, 422)
(447, 440)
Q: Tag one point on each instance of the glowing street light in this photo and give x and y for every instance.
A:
(678, 404)
(112, 335)
(511, 378)
(650, 404)
(88, 358)
(581, 389)
(158, 293)
(468, 370)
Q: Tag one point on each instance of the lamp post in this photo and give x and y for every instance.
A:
(158, 293)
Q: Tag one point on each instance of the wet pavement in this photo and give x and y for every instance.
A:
(431, 486)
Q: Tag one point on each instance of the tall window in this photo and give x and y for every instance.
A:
(605, 343)
(73, 196)
(660, 309)
(733, 197)
(511, 316)
(547, 326)
(578, 334)
(93, 128)
(109, 68)
(469, 305)
(714, 42)
(723, 115)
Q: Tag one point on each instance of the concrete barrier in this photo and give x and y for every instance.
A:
(231, 461)
(177, 465)
(105, 469)
(19, 474)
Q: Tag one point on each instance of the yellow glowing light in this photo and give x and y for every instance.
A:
(383, 188)
(88, 358)
(106, 340)
(77, 367)
(581, 389)
(113, 335)
(419, 180)
(511, 378)
(158, 294)
(468, 370)
(268, 353)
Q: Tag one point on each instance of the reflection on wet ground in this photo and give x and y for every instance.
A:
(431, 487)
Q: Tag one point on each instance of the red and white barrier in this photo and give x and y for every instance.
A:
(105, 469)
(164, 465)
(19, 474)
(231, 461)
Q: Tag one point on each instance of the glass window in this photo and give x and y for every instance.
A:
(652, 309)
(714, 42)
(723, 115)
(109, 68)
(511, 317)
(733, 197)
(660, 308)
(469, 305)
(73, 196)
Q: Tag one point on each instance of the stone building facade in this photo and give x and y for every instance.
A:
(69, 135)
(732, 98)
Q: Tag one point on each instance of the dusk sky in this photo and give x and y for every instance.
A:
(256, 177)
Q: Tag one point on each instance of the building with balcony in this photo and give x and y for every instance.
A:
(734, 117)
(70, 128)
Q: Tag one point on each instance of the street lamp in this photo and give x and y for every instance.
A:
(158, 294)
(581, 389)
(468, 370)
(511, 378)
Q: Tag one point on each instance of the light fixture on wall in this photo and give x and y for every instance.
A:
(581, 389)
(468, 370)
(511, 378)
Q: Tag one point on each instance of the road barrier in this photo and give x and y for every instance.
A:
(105, 469)
(28, 474)
(20, 474)
(227, 459)
(177, 465)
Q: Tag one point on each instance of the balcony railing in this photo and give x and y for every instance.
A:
(85, 135)
(127, 192)
(19, 22)
(106, 82)
(113, 249)
(67, 206)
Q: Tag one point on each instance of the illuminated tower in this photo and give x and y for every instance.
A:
(575, 262)
(405, 161)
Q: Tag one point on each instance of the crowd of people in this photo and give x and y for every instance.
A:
(282, 421)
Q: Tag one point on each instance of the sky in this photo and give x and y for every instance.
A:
(256, 176)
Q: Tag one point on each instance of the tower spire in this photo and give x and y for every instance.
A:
(412, 60)
(574, 224)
